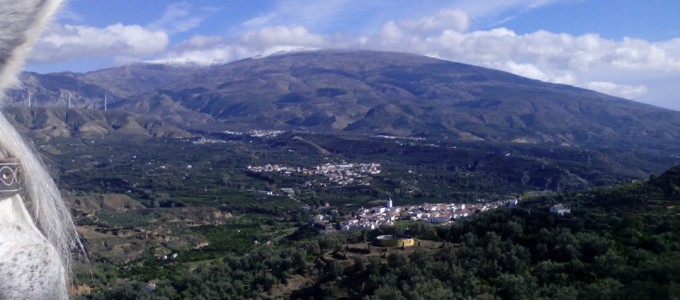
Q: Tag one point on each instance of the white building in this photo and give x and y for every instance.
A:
(378, 210)
(560, 209)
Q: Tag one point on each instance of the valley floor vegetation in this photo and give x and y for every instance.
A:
(617, 243)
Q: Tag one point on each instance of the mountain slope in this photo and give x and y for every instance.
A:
(385, 93)
(46, 122)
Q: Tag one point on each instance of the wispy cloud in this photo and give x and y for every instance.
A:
(331, 16)
(491, 14)
(182, 17)
(282, 36)
(258, 21)
(67, 14)
(448, 19)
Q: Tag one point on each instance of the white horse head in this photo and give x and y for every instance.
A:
(37, 232)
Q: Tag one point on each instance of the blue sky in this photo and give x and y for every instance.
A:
(627, 48)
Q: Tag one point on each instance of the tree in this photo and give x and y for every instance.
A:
(333, 270)
(395, 260)
(359, 264)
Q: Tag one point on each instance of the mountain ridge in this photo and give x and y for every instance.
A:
(369, 92)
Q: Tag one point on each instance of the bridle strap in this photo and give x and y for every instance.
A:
(10, 177)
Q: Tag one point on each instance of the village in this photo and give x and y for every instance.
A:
(433, 213)
(338, 174)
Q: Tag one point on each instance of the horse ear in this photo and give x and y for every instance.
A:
(21, 22)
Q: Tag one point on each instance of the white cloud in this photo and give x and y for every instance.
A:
(203, 50)
(636, 54)
(218, 54)
(67, 42)
(390, 35)
(542, 55)
(621, 90)
(207, 50)
(123, 43)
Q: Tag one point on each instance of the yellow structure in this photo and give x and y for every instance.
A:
(389, 240)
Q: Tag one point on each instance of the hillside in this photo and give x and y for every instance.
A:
(46, 122)
(368, 92)
(668, 182)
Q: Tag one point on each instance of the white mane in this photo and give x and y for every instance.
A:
(21, 22)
